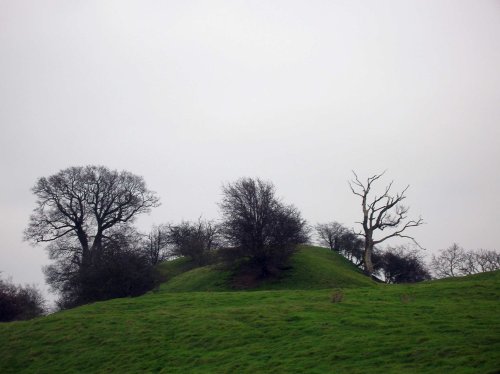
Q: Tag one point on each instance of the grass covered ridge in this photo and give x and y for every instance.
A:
(431, 327)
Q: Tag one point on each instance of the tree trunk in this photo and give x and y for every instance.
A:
(367, 257)
(97, 244)
(82, 238)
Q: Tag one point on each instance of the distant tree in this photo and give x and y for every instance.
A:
(156, 244)
(487, 260)
(259, 226)
(196, 240)
(341, 239)
(20, 302)
(80, 211)
(351, 247)
(468, 263)
(449, 262)
(381, 213)
(403, 265)
(330, 234)
(455, 261)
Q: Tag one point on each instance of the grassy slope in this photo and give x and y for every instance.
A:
(173, 268)
(310, 268)
(449, 325)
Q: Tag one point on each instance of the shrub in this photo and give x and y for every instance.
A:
(120, 269)
(402, 265)
(196, 240)
(19, 302)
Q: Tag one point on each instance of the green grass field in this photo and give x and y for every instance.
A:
(196, 324)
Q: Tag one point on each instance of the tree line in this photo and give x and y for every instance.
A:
(86, 217)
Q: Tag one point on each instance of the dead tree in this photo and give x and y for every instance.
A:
(383, 212)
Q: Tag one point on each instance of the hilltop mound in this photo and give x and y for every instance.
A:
(309, 268)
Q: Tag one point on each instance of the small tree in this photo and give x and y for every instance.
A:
(351, 247)
(341, 239)
(449, 262)
(383, 212)
(155, 244)
(330, 234)
(259, 226)
(196, 240)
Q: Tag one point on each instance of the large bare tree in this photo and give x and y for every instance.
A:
(381, 212)
(84, 203)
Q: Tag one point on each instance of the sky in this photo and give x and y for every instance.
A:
(194, 94)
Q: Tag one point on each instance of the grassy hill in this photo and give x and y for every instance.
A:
(310, 268)
(431, 327)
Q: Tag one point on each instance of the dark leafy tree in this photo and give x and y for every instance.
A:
(20, 302)
(196, 240)
(402, 265)
(378, 263)
(382, 212)
(118, 269)
(258, 226)
(351, 247)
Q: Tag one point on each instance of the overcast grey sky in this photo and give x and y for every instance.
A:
(191, 94)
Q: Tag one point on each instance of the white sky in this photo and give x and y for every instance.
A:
(190, 94)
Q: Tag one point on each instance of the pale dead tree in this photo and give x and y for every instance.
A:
(382, 212)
